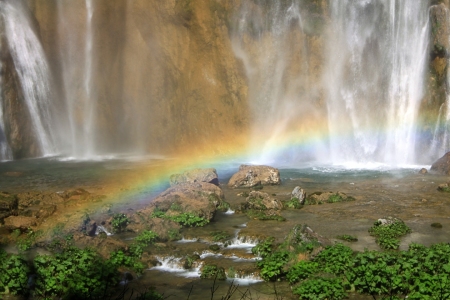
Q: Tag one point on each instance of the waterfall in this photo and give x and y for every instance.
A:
(76, 59)
(33, 72)
(5, 150)
(271, 40)
(374, 78)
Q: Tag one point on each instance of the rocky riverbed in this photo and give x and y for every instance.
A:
(80, 199)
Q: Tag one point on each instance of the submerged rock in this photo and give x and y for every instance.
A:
(196, 175)
(327, 197)
(251, 176)
(423, 171)
(442, 165)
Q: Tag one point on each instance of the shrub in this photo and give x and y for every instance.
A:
(14, 273)
(320, 288)
(119, 222)
(301, 270)
(272, 265)
(73, 273)
(213, 272)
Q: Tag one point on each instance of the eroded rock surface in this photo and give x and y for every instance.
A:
(251, 176)
(442, 165)
(208, 175)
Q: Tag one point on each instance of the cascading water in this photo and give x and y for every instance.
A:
(374, 78)
(33, 72)
(271, 40)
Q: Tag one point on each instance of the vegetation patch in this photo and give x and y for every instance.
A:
(293, 203)
(184, 219)
(119, 222)
(387, 231)
(347, 238)
(213, 272)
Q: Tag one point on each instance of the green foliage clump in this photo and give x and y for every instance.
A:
(119, 222)
(189, 220)
(184, 219)
(334, 259)
(213, 272)
(173, 234)
(271, 266)
(387, 234)
(130, 260)
(264, 248)
(301, 271)
(74, 273)
(26, 242)
(218, 236)
(320, 288)
(347, 238)
(146, 237)
(293, 203)
(14, 273)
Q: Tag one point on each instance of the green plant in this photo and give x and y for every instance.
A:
(146, 237)
(14, 272)
(220, 236)
(347, 238)
(264, 248)
(388, 232)
(335, 259)
(25, 243)
(335, 198)
(272, 265)
(74, 273)
(173, 234)
(121, 258)
(293, 203)
(320, 288)
(189, 220)
(213, 272)
(119, 222)
(157, 213)
(301, 271)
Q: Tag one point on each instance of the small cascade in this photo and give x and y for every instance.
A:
(244, 280)
(175, 265)
(374, 78)
(33, 72)
(242, 242)
(100, 229)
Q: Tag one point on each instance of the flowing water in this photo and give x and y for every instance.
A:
(374, 77)
(32, 68)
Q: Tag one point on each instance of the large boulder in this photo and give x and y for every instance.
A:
(20, 222)
(200, 199)
(442, 165)
(251, 176)
(8, 205)
(196, 175)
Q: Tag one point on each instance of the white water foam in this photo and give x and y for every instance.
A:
(173, 264)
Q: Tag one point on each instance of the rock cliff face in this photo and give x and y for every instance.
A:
(163, 73)
(162, 76)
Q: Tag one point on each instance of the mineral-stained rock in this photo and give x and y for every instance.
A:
(442, 165)
(104, 246)
(19, 222)
(250, 176)
(300, 194)
(261, 201)
(8, 202)
(327, 197)
(196, 175)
